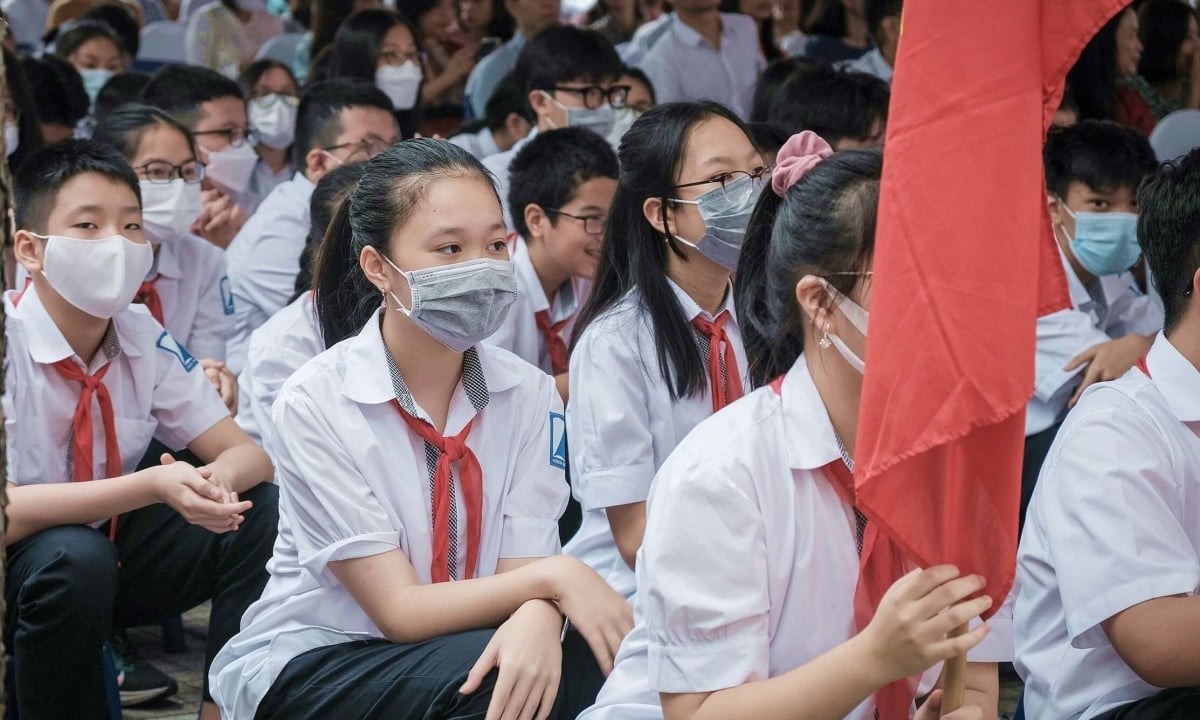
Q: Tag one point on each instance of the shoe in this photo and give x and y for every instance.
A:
(137, 680)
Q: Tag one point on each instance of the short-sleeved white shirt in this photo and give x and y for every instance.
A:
(623, 423)
(158, 391)
(498, 165)
(1114, 521)
(748, 567)
(354, 483)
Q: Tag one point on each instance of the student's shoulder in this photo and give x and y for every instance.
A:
(506, 370)
(198, 254)
(738, 437)
(1110, 413)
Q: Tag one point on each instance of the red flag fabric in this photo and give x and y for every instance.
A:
(964, 263)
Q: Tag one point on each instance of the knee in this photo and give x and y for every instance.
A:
(75, 574)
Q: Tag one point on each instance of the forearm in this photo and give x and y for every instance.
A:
(33, 508)
(243, 466)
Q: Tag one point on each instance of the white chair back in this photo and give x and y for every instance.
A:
(1176, 135)
(162, 42)
(281, 48)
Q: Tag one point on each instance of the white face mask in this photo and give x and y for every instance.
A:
(274, 118)
(625, 118)
(232, 167)
(857, 316)
(12, 138)
(100, 277)
(400, 83)
(169, 209)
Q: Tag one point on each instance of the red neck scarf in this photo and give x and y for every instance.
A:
(555, 345)
(726, 392)
(147, 294)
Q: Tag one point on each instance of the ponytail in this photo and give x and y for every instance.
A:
(344, 296)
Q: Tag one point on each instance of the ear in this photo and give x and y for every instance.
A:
(517, 126)
(380, 274)
(813, 299)
(25, 250)
(652, 209)
(536, 221)
(316, 164)
(1054, 205)
(1195, 282)
(540, 101)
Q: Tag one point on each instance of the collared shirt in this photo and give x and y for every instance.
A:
(1114, 522)
(644, 38)
(623, 422)
(748, 566)
(481, 144)
(683, 66)
(264, 260)
(486, 76)
(338, 412)
(265, 179)
(872, 64)
(158, 391)
(498, 165)
(1108, 308)
(520, 334)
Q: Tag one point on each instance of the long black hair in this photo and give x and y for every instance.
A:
(355, 54)
(29, 130)
(393, 184)
(328, 197)
(1093, 79)
(1163, 26)
(634, 254)
(824, 224)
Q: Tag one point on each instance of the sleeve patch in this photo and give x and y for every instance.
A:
(558, 441)
(226, 295)
(173, 347)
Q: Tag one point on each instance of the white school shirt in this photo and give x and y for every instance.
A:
(354, 481)
(1114, 521)
(498, 165)
(1109, 308)
(748, 567)
(623, 423)
(277, 349)
(481, 144)
(264, 260)
(158, 391)
(520, 334)
(265, 179)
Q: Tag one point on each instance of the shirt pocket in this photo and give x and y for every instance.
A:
(134, 438)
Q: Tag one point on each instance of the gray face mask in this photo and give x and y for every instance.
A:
(460, 305)
(726, 213)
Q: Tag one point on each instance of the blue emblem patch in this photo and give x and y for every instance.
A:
(558, 441)
(227, 295)
(171, 346)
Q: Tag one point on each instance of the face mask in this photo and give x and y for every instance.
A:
(100, 277)
(1104, 243)
(857, 316)
(12, 138)
(599, 120)
(462, 304)
(232, 167)
(93, 80)
(400, 83)
(274, 118)
(169, 209)
(726, 213)
(623, 119)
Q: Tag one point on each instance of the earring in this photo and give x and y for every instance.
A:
(825, 342)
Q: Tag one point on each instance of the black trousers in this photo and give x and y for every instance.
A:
(67, 586)
(1037, 446)
(378, 680)
(1166, 705)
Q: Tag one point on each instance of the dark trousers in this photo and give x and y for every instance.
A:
(1037, 446)
(65, 590)
(377, 679)
(1166, 705)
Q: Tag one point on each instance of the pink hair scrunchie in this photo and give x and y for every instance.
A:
(801, 153)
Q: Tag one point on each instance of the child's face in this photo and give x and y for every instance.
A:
(88, 207)
(1081, 197)
(574, 243)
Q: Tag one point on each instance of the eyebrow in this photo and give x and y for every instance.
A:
(716, 161)
(84, 209)
(592, 208)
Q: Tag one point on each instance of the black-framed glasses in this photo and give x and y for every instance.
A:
(592, 224)
(594, 96)
(727, 178)
(162, 172)
(369, 146)
(235, 136)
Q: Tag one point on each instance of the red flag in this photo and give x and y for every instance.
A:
(964, 263)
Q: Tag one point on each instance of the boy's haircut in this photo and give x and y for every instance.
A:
(81, 32)
(564, 54)
(321, 105)
(57, 90)
(37, 181)
(507, 99)
(125, 127)
(550, 168)
(1098, 153)
(180, 90)
(772, 79)
(834, 103)
(874, 12)
(767, 138)
(1169, 232)
(121, 89)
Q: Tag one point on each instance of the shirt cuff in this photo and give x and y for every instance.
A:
(529, 538)
(1083, 624)
(708, 666)
(359, 546)
(599, 489)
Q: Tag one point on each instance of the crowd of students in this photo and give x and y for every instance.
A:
(556, 417)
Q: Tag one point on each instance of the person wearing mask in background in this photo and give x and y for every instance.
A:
(448, 55)
(507, 122)
(326, 16)
(338, 122)
(531, 18)
(95, 51)
(847, 109)
(121, 89)
(480, 19)
(883, 22)
(273, 96)
(1110, 57)
(380, 47)
(58, 95)
(638, 100)
(569, 76)
(213, 108)
(837, 30)
(1168, 77)
(22, 128)
(225, 35)
(705, 54)
(123, 21)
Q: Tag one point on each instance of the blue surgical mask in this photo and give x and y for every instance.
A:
(93, 81)
(599, 120)
(1104, 243)
(726, 213)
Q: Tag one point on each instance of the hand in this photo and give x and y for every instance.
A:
(460, 64)
(224, 381)
(190, 493)
(601, 615)
(908, 634)
(1108, 360)
(220, 219)
(527, 651)
(931, 709)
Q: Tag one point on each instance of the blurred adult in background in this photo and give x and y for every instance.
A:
(788, 35)
(837, 30)
(763, 13)
(22, 134)
(1110, 57)
(1168, 77)
(448, 56)
(380, 47)
(531, 17)
(481, 19)
(225, 35)
(272, 99)
(58, 96)
(325, 17)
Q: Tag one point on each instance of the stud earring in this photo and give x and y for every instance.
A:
(825, 342)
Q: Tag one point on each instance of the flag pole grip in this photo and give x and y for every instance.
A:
(954, 686)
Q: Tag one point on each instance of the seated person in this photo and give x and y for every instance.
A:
(505, 123)
(848, 109)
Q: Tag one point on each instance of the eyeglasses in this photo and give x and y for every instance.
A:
(728, 178)
(592, 224)
(235, 136)
(369, 146)
(162, 172)
(594, 96)
(395, 57)
(268, 99)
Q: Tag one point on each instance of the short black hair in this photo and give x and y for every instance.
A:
(550, 168)
(1169, 232)
(767, 138)
(834, 103)
(874, 12)
(81, 32)
(1098, 153)
(125, 127)
(506, 99)
(121, 89)
(565, 54)
(37, 182)
(57, 90)
(772, 79)
(122, 23)
(180, 90)
(321, 104)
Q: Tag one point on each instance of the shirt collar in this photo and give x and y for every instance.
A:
(1079, 293)
(46, 342)
(686, 35)
(691, 309)
(812, 443)
(167, 260)
(1176, 377)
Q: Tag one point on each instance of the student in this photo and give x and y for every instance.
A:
(531, 18)
(883, 22)
(274, 96)
(293, 336)
(848, 109)
(569, 78)
(1107, 567)
(181, 534)
(507, 121)
(225, 35)
(338, 122)
(22, 130)
(638, 100)
(657, 347)
(312, 54)
(562, 185)
(213, 108)
(93, 48)
(360, 579)
(705, 54)
(750, 603)
(121, 89)
(380, 46)
(58, 94)
(1093, 170)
